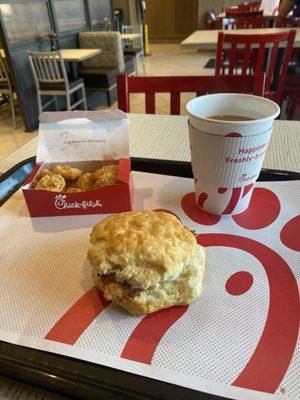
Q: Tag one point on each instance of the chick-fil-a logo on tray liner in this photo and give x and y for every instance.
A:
(62, 203)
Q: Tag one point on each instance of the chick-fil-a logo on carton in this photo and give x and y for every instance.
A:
(61, 203)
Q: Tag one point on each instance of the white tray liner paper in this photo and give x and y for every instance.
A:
(44, 271)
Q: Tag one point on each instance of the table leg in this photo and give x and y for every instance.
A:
(74, 70)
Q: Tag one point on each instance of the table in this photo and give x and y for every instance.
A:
(72, 55)
(208, 39)
(166, 137)
(78, 55)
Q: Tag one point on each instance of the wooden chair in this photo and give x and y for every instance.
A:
(255, 6)
(242, 23)
(290, 22)
(134, 47)
(237, 13)
(287, 22)
(259, 54)
(250, 7)
(175, 85)
(6, 89)
(291, 89)
(51, 79)
(293, 101)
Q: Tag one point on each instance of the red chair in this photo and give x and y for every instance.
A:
(287, 22)
(255, 6)
(291, 89)
(293, 101)
(244, 23)
(259, 51)
(251, 23)
(184, 84)
(296, 12)
(295, 58)
(236, 13)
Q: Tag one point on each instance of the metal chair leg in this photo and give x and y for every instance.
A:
(13, 111)
(39, 100)
(144, 64)
(68, 98)
(135, 65)
(56, 104)
(291, 108)
(84, 98)
(108, 98)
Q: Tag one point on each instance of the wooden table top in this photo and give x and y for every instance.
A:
(208, 39)
(78, 55)
(70, 55)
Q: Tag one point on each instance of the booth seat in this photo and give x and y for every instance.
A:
(100, 72)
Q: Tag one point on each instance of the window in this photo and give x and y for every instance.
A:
(25, 21)
(99, 10)
(70, 15)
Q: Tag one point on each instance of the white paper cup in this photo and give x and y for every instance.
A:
(227, 155)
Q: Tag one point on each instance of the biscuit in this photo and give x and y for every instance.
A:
(86, 181)
(106, 176)
(67, 172)
(146, 261)
(53, 183)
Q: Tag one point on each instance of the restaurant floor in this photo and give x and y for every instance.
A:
(166, 59)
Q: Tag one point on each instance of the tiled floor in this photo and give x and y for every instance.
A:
(10, 138)
(166, 59)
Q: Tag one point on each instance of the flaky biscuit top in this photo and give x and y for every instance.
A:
(141, 248)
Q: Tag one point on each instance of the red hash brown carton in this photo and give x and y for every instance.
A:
(87, 140)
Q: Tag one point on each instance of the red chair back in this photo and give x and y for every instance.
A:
(255, 50)
(296, 12)
(241, 8)
(255, 6)
(248, 23)
(175, 85)
(244, 23)
(236, 13)
(288, 22)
